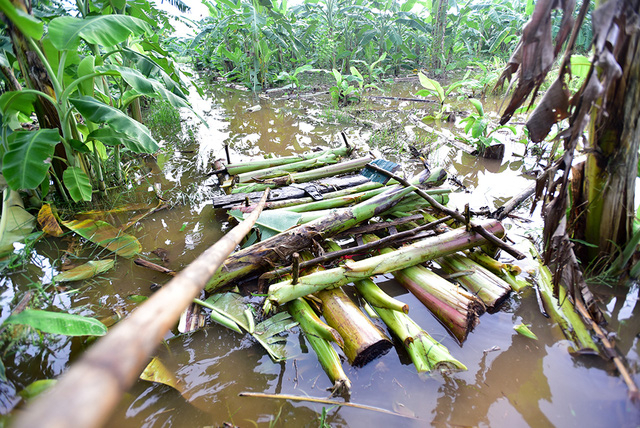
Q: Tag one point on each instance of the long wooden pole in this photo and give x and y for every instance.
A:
(86, 395)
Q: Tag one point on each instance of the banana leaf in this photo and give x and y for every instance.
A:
(233, 310)
(48, 221)
(85, 271)
(59, 323)
(103, 234)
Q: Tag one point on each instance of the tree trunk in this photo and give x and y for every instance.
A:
(439, 26)
(612, 164)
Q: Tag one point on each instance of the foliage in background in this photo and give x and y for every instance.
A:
(258, 43)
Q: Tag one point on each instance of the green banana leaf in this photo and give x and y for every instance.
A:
(78, 184)
(85, 271)
(145, 85)
(271, 223)
(87, 67)
(17, 101)
(59, 323)
(28, 159)
(99, 112)
(268, 333)
(103, 234)
(106, 30)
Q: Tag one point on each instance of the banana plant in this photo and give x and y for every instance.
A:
(477, 128)
(81, 97)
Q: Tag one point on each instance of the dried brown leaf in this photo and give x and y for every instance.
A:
(553, 107)
(48, 222)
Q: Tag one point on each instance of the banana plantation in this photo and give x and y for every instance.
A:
(322, 213)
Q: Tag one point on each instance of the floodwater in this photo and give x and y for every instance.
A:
(512, 381)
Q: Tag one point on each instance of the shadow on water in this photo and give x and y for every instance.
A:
(511, 381)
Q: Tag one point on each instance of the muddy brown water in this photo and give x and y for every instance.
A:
(511, 380)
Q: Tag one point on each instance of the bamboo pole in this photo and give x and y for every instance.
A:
(86, 395)
(410, 255)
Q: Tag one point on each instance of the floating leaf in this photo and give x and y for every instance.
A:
(48, 221)
(231, 305)
(59, 323)
(157, 372)
(16, 223)
(85, 271)
(36, 388)
(136, 298)
(28, 159)
(102, 233)
(78, 184)
(524, 330)
(268, 334)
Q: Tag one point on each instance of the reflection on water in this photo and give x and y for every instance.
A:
(511, 381)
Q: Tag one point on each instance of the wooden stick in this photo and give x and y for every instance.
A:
(86, 395)
(150, 265)
(374, 227)
(455, 214)
(506, 209)
(414, 100)
(296, 268)
(321, 401)
(610, 351)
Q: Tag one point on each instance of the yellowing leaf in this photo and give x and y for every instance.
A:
(103, 234)
(85, 271)
(157, 372)
(48, 222)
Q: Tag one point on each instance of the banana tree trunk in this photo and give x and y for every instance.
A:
(410, 255)
(612, 162)
(268, 252)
